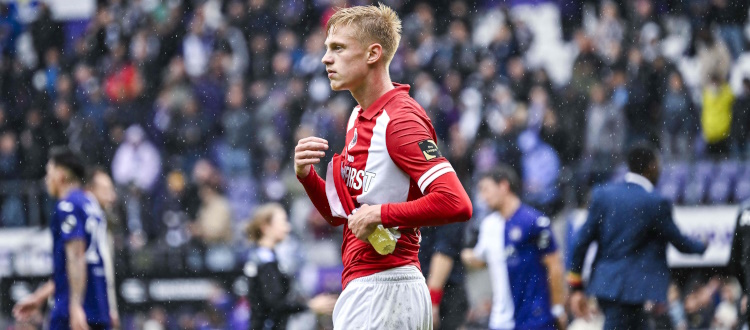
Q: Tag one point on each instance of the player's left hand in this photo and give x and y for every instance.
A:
(562, 322)
(435, 316)
(114, 318)
(78, 318)
(363, 222)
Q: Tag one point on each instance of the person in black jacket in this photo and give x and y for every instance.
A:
(269, 292)
(739, 260)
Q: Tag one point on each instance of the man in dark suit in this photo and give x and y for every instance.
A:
(739, 260)
(632, 226)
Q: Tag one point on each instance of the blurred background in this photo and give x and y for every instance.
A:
(194, 107)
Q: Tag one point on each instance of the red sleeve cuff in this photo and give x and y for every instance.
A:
(385, 215)
(436, 296)
(310, 176)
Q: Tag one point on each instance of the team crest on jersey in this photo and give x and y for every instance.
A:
(543, 222)
(65, 206)
(515, 234)
(429, 150)
(354, 141)
(69, 223)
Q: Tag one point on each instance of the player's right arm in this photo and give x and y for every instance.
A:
(308, 152)
(73, 235)
(476, 257)
(75, 264)
(469, 258)
(25, 308)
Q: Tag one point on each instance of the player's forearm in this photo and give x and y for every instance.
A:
(556, 284)
(470, 260)
(315, 187)
(44, 292)
(440, 268)
(109, 271)
(446, 201)
(75, 264)
(553, 263)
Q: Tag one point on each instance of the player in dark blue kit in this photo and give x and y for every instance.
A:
(516, 243)
(78, 235)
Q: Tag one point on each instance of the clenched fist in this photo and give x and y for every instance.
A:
(308, 151)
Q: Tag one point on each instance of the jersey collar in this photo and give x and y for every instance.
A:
(375, 108)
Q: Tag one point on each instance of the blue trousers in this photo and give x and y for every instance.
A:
(620, 316)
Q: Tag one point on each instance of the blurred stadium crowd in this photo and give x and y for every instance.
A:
(195, 106)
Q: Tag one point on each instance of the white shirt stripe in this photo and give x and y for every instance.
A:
(432, 174)
(390, 184)
(431, 171)
(337, 209)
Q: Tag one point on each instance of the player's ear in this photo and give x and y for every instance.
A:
(374, 53)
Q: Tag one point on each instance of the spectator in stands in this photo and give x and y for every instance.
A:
(729, 16)
(699, 303)
(137, 161)
(9, 159)
(32, 155)
(610, 31)
(713, 57)
(716, 119)
(740, 131)
(676, 119)
(541, 169)
(605, 133)
(135, 169)
(12, 208)
(676, 308)
(238, 132)
(214, 222)
(270, 292)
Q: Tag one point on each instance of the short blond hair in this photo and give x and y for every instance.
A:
(261, 218)
(370, 24)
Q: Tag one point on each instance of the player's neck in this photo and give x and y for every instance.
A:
(267, 242)
(375, 86)
(66, 189)
(508, 209)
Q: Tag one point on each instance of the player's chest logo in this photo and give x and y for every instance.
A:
(354, 140)
(515, 234)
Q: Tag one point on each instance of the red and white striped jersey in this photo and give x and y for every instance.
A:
(391, 156)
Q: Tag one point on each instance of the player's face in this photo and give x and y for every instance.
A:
(104, 190)
(491, 193)
(52, 179)
(345, 59)
(278, 228)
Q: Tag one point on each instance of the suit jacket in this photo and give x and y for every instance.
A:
(739, 260)
(632, 227)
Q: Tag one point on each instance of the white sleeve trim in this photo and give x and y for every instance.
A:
(337, 209)
(431, 171)
(432, 174)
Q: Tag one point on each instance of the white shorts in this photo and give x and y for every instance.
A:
(397, 298)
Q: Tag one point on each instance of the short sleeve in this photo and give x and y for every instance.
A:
(480, 250)
(412, 146)
(545, 240)
(72, 221)
(450, 239)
